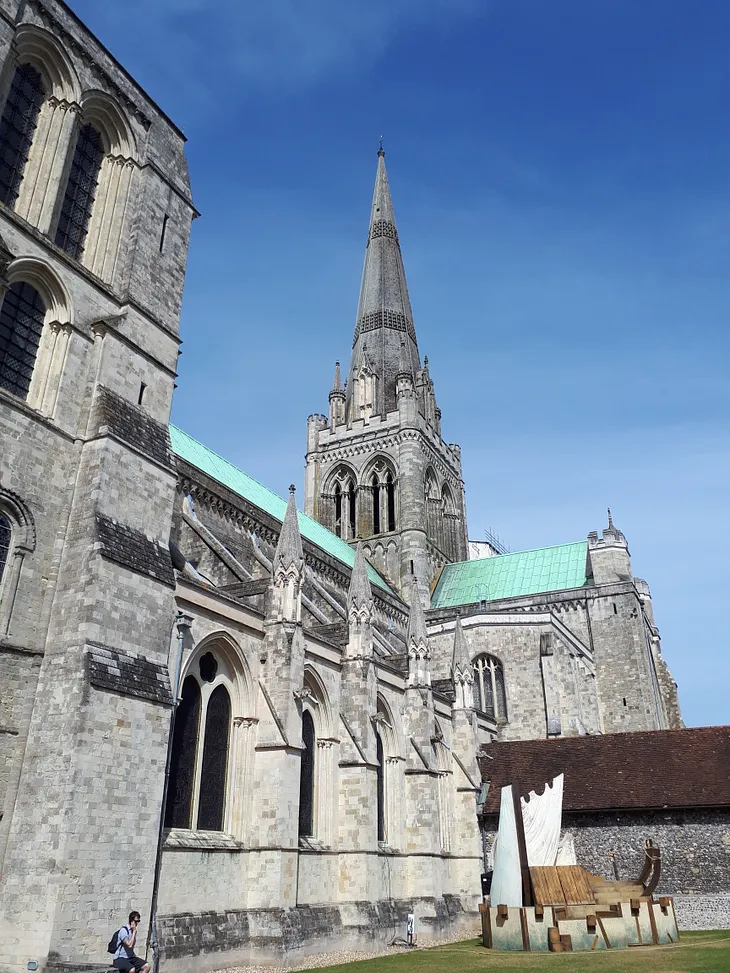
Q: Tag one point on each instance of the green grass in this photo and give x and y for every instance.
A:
(696, 952)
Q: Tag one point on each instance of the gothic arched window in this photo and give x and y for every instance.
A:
(380, 757)
(306, 778)
(489, 692)
(390, 494)
(211, 808)
(21, 324)
(375, 486)
(17, 127)
(6, 536)
(184, 751)
(78, 200)
(198, 786)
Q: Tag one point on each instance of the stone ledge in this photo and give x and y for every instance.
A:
(181, 839)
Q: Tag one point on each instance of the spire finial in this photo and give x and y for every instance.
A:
(289, 548)
(610, 519)
(381, 150)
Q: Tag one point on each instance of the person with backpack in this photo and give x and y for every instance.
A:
(123, 942)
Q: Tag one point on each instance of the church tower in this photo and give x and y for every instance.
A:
(377, 469)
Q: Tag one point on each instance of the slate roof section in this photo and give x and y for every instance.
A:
(128, 547)
(132, 425)
(126, 674)
(260, 496)
(687, 768)
(512, 575)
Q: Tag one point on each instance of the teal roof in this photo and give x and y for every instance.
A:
(512, 575)
(260, 496)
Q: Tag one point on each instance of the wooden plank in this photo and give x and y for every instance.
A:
(525, 931)
(546, 884)
(574, 882)
(486, 926)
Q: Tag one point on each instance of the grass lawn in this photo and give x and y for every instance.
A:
(696, 952)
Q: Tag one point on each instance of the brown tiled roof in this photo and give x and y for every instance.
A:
(663, 768)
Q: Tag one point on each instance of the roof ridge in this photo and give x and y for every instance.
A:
(529, 550)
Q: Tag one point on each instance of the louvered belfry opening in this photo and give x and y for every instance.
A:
(17, 127)
(21, 325)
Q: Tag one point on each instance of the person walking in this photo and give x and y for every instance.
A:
(124, 958)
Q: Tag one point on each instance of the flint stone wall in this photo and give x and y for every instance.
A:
(695, 847)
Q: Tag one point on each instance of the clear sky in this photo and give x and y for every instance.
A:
(561, 180)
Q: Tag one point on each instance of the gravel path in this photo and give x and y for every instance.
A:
(341, 956)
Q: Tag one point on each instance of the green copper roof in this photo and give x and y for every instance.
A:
(260, 496)
(512, 575)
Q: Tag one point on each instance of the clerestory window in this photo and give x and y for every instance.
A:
(78, 200)
(21, 324)
(489, 692)
(17, 128)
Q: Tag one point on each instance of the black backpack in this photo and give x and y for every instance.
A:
(114, 942)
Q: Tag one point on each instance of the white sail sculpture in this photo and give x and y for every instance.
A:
(542, 816)
(507, 877)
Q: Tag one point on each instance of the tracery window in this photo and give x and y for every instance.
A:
(17, 128)
(489, 692)
(21, 324)
(200, 750)
(6, 536)
(306, 777)
(339, 504)
(78, 200)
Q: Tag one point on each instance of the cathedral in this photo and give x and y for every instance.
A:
(258, 725)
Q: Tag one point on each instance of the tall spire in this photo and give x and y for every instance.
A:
(384, 315)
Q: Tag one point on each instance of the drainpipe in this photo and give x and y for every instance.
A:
(183, 624)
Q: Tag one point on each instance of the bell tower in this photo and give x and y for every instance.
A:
(377, 469)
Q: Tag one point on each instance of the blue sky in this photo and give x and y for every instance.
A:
(561, 179)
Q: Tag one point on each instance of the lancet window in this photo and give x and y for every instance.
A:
(450, 524)
(434, 511)
(306, 777)
(78, 200)
(380, 757)
(17, 128)
(197, 793)
(21, 324)
(6, 537)
(489, 692)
